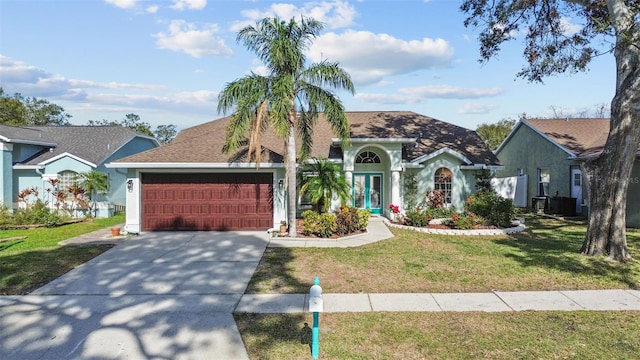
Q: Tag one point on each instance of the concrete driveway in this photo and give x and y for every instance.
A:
(154, 296)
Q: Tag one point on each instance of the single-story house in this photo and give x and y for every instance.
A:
(192, 184)
(549, 153)
(32, 155)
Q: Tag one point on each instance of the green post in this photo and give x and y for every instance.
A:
(315, 331)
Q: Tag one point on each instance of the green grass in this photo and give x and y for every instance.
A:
(26, 264)
(523, 335)
(544, 257)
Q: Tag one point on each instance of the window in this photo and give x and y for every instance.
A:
(67, 178)
(577, 179)
(367, 157)
(442, 182)
(543, 182)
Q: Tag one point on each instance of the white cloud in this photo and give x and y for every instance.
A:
(188, 38)
(450, 92)
(369, 57)
(568, 28)
(414, 95)
(88, 99)
(152, 9)
(123, 4)
(18, 77)
(189, 4)
(334, 14)
(475, 108)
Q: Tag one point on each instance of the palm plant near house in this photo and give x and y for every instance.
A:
(321, 180)
(93, 182)
(288, 99)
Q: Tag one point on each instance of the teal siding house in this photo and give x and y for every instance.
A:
(32, 155)
(192, 184)
(549, 153)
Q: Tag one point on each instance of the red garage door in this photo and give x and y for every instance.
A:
(207, 201)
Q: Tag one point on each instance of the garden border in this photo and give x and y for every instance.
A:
(476, 232)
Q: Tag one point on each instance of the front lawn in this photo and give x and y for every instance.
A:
(450, 336)
(26, 264)
(544, 257)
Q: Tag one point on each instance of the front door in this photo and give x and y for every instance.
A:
(576, 188)
(367, 192)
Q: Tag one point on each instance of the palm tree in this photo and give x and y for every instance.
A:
(288, 99)
(92, 182)
(320, 180)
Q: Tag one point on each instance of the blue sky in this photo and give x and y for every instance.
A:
(167, 60)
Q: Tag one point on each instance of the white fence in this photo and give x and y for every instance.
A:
(514, 188)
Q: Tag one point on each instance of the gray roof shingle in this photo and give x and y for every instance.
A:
(91, 143)
(204, 143)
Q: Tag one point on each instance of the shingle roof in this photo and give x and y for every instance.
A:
(20, 134)
(91, 143)
(582, 137)
(204, 143)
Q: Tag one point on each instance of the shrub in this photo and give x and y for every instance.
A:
(417, 218)
(326, 226)
(464, 221)
(350, 219)
(347, 220)
(319, 225)
(363, 219)
(489, 205)
(6, 216)
(37, 213)
(310, 219)
(435, 198)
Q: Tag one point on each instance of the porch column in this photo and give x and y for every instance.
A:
(395, 188)
(348, 176)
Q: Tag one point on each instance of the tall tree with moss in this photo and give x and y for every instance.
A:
(288, 99)
(549, 48)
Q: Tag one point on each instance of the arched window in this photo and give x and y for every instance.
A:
(442, 182)
(368, 157)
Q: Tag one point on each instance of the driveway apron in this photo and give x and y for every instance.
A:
(165, 295)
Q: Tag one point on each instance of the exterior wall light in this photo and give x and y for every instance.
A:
(130, 185)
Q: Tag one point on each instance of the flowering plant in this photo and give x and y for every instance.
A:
(394, 208)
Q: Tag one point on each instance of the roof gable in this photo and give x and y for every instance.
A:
(90, 144)
(579, 137)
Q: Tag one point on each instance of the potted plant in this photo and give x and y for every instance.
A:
(115, 231)
(283, 227)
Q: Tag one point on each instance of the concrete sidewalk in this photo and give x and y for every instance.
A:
(497, 301)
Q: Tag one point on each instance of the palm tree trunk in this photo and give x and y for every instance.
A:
(290, 165)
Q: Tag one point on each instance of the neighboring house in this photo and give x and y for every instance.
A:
(31, 155)
(192, 184)
(549, 152)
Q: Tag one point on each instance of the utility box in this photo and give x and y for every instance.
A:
(315, 299)
(104, 209)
